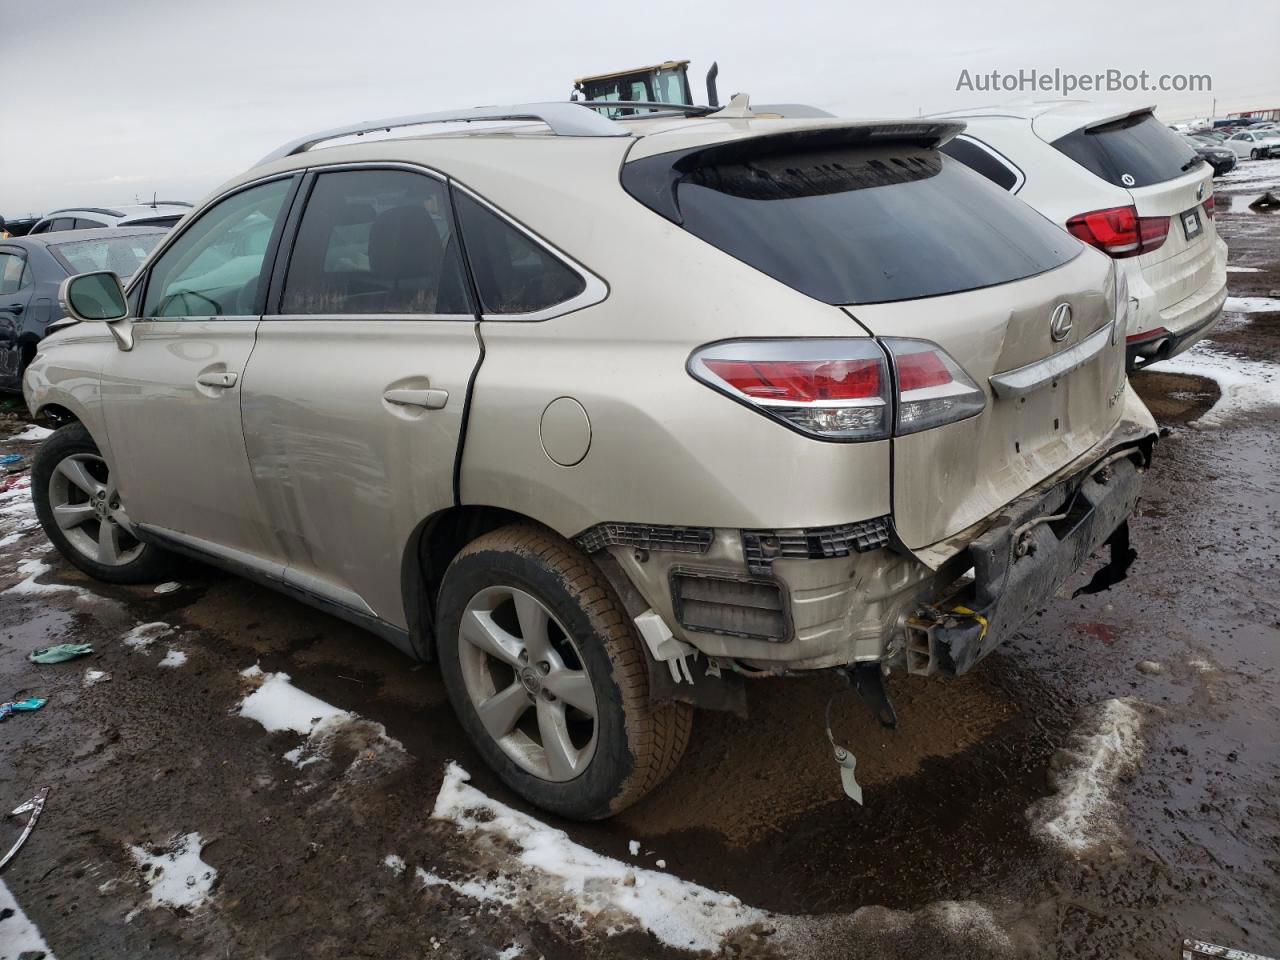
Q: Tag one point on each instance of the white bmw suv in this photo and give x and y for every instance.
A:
(1122, 182)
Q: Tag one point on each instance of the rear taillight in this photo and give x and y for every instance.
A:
(932, 388)
(842, 389)
(1208, 206)
(1119, 232)
(835, 389)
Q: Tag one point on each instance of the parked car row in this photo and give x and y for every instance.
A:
(606, 415)
(32, 269)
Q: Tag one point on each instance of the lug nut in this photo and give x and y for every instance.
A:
(544, 666)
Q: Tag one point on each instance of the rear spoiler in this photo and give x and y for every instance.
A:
(1118, 118)
(652, 179)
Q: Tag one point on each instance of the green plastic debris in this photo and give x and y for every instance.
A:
(59, 653)
(13, 706)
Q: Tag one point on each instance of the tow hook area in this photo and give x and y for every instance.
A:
(868, 680)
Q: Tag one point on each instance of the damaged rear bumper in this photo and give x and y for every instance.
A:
(1019, 563)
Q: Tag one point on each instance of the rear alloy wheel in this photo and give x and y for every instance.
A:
(526, 681)
(549, 678)
(81, 511)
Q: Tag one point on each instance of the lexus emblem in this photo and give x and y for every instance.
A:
(1060, 322)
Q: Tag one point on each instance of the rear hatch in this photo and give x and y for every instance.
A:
(1169, 184)
(914, 246)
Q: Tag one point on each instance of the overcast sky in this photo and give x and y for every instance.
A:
(105, 100)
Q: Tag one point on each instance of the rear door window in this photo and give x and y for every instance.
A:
(376, 242)
(82, 224)
(62, 223)
(1130, 152)
(13, 272)
(850, 224)
(514, 273)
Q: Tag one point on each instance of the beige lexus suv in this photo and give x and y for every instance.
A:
(605, 416)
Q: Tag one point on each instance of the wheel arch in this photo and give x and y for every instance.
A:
(431, 547)
(56, 415)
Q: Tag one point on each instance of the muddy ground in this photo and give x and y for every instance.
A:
(1178, 835)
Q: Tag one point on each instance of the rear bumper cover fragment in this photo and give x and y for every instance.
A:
(1021, 561)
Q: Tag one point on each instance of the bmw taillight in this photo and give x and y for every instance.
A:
(1119, 232)
(842, 389)
(1208, 206)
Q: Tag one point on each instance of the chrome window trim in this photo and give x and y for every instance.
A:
(398, 318)
(1025, 380)
(595, 290)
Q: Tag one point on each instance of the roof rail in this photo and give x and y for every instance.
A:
(105, 211)
(566, 119)
(688, 109)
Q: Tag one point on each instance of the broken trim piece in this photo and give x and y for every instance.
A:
(34, 806)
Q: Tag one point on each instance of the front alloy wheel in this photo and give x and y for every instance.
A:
(82, 512)
(86, 507)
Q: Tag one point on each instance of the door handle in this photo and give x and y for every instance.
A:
(427, 399)
(14, 308)
(217, 379)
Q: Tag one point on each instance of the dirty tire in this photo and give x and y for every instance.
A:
(638, 743)
(151, 563)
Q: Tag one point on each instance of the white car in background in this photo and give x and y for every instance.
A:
(1254, 144)
(1123, 182)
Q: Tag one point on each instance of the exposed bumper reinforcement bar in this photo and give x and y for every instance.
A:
(1021, 561)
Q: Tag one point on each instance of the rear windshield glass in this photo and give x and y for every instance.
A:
(1133, 152)
(849, 224)
(123, 255)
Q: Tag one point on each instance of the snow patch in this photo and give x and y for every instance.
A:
(145, 634)
(1232, 268)
(278, 705)
(1104, 748)
(176, 876)
(511, 952)
(95, 676)
(174, 658)
(1245, 384)
(18, 934)
(394, 863)
(1251, 305)
(522, 864)
(32, 567)
(556, 870)
(33, 432)
(634, 847)
(168, 587)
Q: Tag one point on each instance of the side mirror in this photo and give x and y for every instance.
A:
(98, 297)
(94, 296)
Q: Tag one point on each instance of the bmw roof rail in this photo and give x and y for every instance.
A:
(105, 211)
(565, 118)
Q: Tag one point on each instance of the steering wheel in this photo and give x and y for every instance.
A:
(160, 309)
